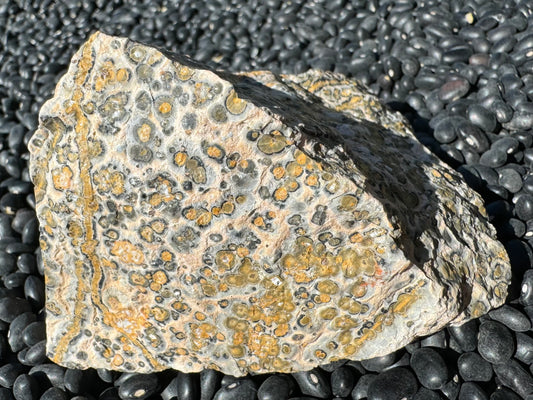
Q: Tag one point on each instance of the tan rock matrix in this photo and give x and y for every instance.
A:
(250, 223)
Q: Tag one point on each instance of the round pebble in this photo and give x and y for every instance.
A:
(138, 387)
(472, 367)
(342, 381)
(393, 384)
(430, 368)
(243, 389)
(495, 342)
(472, 391)
(275, 387)
(313, 383)
(511, 317)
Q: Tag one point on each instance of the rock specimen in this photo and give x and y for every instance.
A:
(249, 223)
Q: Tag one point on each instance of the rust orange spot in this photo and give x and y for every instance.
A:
(127, 252)
(281, 194)
(62, 178)
(165, 108)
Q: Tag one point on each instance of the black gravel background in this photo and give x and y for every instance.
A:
(460, 71)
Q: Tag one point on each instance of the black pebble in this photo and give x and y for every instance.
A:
(453, 90)
(510, 179)
(244, 389)
(10, 308)
(313, 383)
(493, 158)
(49, 374)
(54, 393)
(360, 390)
(26, 388)
(472, 391)
(17, 326)
(482, 117)
(378, 364)
(186, 387)
(472, 367)
(524, 207)
(34, 332)
(426, 394)
(34, 290)
(73, 380)
(393, 384)
(430, 368)
(514, 376)
(495, 342)
(504, 393)
(7, 263)
(138, 387)
(438, 340)
(9, 372)
(511, 317)
(342, 381)
(275, 387)
(209, 381)
(526, 293)
(36, 354)
(524, 348)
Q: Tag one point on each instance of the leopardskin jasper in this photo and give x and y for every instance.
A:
(249, 222)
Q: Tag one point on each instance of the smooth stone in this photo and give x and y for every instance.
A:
(342, 381)
(49, 374)
(360, 390)
(11, 307)
(393, 384)
(378, 364)
(34, 290)
(25, 387)
(482, 117)
(36, 354)
(446, 130)
(426, 394)
(437, 340)
(524, 348)
(209, 380)
(54, 393)
(17, 326)
(430, 368)
(453, 90)
(473, 136)
(472, 391)
(493, 158)
(472, 367)
(244, 389)
(187, 387)
(511, 317)
(495, 342)
(504, 393)
(138, 387)
(275, 387)
(313, 383)
(26, 263)
(512, 375)
(452, 388)
(510, 179)
(75, 380)
(526, 290)
(524, 207)
(34, 332)
(9, 372)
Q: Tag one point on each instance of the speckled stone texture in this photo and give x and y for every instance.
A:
(249, 223)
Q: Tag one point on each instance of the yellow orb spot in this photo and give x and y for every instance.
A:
(165, 108)
(144, 132)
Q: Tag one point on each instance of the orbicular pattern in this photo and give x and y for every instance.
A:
(196, 219)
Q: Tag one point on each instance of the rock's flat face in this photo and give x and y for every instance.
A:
(196, 219)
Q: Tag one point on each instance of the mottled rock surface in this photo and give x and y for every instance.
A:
(248, 222)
